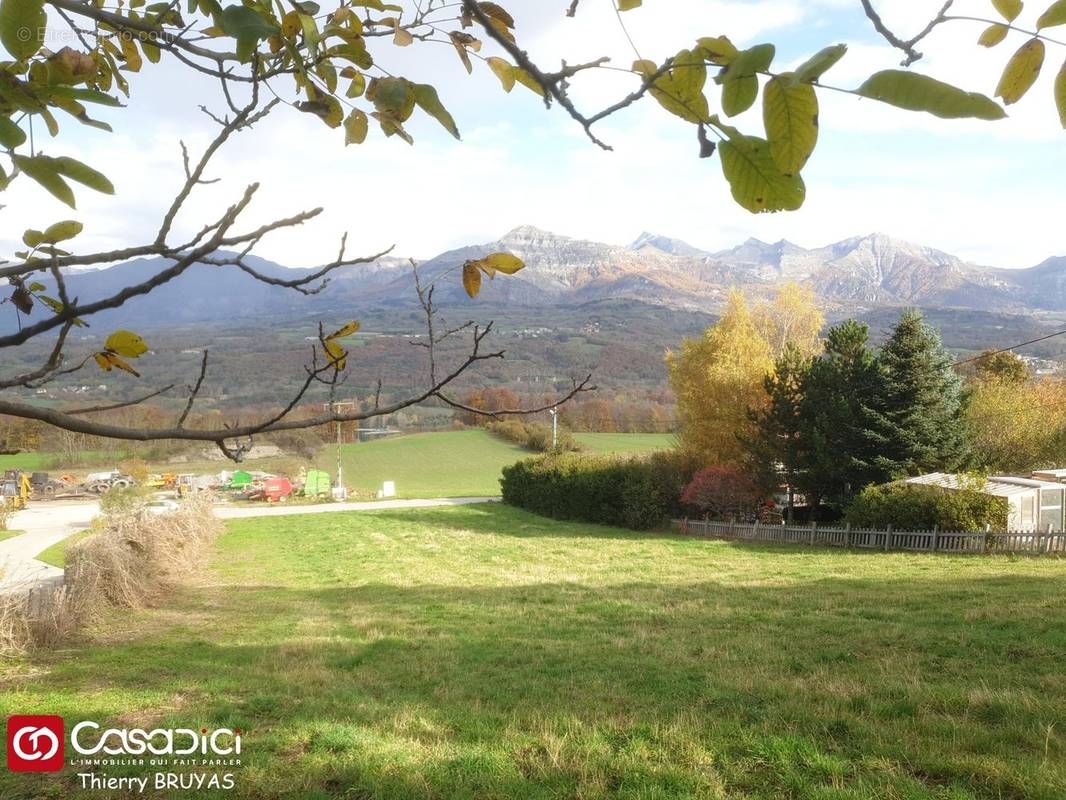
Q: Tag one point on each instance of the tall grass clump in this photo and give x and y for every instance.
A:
(132, 559)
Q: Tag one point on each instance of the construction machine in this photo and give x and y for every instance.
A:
(15, 490)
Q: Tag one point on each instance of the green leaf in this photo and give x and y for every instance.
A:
(680, 90)
(88, 95)
(628, 5)
(22, 27)
(428, 101)
(756, 182)
(1055, 15)
(247, 27)
(1060, 94)
(1008, 9)
(993, 35)
(821, 62)
(915, 92)
(1021, 71)
(61, 231)
(43, 170)
(393, 95)
(11, 135)
(790, 114)
(739, 95)
(355, 127)
(83, 174)
(748, 62)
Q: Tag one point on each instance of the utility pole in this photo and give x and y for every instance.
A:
(555, 427)
(340, 407)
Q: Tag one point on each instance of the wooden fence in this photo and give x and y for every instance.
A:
(934, 541)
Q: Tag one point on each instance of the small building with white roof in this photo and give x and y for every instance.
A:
(1033, 504)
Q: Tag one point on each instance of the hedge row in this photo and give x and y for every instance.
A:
(533, 435)
(916, 508)
(638, 492)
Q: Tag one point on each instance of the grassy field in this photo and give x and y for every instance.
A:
(443, 464)
(481, 652)
(30, 461)
(56, 555)
(625, 442)
(440, 464)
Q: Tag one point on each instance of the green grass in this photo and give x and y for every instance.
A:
(481, 652)
(56, 555)
(5, 534)
(442, 464)
(626, 442)
(26, 461)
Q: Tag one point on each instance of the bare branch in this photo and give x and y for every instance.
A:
(908, 45)
(194, 391)
(123, 404)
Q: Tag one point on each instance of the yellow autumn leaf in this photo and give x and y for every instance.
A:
(993, 35)
(347, 330)
(107, 359)
(1021, 72)
(471, 278)
(500, 262)
(337, 355)
(503, 70)
(126, 343)
(1060, 94)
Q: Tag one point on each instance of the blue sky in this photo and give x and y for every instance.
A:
(989, 192)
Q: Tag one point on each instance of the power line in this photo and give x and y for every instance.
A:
(1009, 349)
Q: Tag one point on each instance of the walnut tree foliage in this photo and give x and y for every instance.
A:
(345, 65)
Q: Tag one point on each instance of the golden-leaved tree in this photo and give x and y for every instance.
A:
(720, 378)
(717, 378)
(1017, 426)
(792, 317)
(348, 66)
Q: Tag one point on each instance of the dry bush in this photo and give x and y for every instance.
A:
(131, 560)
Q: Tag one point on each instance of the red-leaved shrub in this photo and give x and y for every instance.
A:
(723, 492)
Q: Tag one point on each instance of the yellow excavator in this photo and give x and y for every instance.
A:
(15, 490)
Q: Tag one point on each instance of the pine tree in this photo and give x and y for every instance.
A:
(843, 429)
(777, 441)
(925, 404)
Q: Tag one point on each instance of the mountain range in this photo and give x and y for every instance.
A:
(852, 275)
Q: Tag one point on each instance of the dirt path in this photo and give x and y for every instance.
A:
(44, 524)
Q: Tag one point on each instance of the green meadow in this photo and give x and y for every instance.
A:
(482, 652)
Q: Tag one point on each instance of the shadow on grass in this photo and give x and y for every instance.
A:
(834, 688)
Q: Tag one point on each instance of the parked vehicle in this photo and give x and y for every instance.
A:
(15, 489)
(161, 507)
(277, 489)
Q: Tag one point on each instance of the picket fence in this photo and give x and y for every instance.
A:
(934, 541)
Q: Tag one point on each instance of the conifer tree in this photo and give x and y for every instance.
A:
(843, 430)
(925, 403)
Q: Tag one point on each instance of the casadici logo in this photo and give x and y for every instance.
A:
(35, 743)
